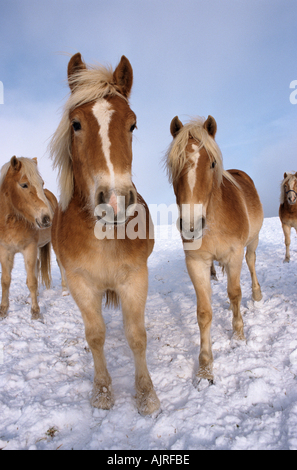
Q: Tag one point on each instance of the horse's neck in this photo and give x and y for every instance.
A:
(80, 201)
(216, 200)
(6, 206)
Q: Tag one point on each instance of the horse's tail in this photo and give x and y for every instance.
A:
(45, 265)
(112, 299)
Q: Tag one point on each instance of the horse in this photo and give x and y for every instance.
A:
(220, 214)
(92, 149)
(288, 209)
(26, 213)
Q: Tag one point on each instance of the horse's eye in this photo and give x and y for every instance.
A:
(24, 185)
(76, 126)
(213, 164)
(133, 127)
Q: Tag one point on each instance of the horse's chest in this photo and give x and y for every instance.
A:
(16, 236)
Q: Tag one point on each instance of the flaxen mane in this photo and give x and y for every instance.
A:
(285, 181)
(176, 156)
(28, 168)
(89, 84)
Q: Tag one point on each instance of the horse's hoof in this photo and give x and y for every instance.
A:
(3, 312)
(148, 403)
(35, 314)
(203, 383)
(257, 295)
(237, 339)
(204, 377)
(102, 397)
(286, 260)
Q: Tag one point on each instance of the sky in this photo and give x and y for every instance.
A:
(232, 59)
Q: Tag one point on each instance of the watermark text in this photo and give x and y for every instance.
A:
(135, 222)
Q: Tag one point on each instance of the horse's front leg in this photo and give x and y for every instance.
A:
(133, 296)
(287, 234)
(198, 269)
(30, 257)
(89, 301)
(6, 260)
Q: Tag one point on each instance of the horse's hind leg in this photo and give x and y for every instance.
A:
(6, 260)
(213, 273)
(233, 270)
(89, 301)
(251, 262)
(133, 299)
(63, 278)
(30, 257)
(287, 234)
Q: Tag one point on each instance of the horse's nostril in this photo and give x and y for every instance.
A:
(101, 199)
(131, 198)
(181, 224)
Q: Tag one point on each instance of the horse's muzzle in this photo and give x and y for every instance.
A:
(291, 197)
(115, 209)
(191, 230)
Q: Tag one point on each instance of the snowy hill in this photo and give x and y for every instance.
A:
(46, 369)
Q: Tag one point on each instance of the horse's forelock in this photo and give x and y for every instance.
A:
(28, 168)
(176, 156)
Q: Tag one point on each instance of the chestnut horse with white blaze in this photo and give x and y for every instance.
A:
(92, 148)
(26, 213)
(288, 209)
(229, 219)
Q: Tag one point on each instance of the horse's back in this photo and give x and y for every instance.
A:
(252, 201)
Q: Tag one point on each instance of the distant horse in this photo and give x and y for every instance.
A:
(229, 219)
(92, 148)
(288, 209)
(26, 213)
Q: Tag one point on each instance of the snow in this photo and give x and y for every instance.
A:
(46, 368)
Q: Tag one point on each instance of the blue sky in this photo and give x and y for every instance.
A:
(233, 59)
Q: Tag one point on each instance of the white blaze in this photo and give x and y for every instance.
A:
(192, 172)
(103, 111)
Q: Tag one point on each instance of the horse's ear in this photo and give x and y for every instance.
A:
(34, 160)
(210, 126)
(75, 65)
(285, 175)
(123, 76)
(15, 163)
(175, 126)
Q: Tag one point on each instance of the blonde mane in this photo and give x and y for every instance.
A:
(28, 168)
(89, 84)
(289, 177)
(177, 157)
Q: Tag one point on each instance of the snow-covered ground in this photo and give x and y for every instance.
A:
(46, 369)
